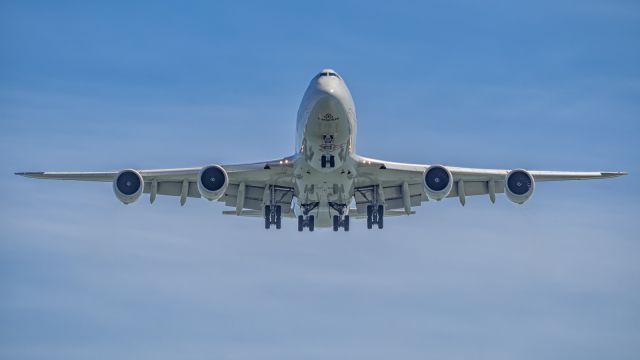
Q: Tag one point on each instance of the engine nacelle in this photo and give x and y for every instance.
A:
(519, 185)
(212, 182)
(438, 182)
(128, 186)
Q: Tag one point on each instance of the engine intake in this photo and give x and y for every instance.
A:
(438, 182)
(212, 182)
(519, 185)
(128, 186)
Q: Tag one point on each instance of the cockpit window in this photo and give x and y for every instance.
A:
(326, 73)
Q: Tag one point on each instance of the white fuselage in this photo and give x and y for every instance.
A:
(326, 127)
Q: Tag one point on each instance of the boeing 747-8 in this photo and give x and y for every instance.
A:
(322, 181)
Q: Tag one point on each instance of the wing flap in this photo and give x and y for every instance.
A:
(254, 197)
(393, 196)
(173, 188)
(257, 213)
(472, 188)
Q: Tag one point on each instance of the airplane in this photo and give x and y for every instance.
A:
(319, 184)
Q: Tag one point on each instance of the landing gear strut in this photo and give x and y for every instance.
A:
(272, 216)
(375, 215)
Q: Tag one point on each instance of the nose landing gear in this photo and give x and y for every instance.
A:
(327, 161)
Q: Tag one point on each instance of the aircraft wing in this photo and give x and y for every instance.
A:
(249, 179)
(402, 184)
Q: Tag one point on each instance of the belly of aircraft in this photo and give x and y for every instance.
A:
(326, 183)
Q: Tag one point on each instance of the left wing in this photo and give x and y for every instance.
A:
(401, 186)
(248, 185)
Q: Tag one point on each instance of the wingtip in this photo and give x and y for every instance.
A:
(614, 173)
(28, 173)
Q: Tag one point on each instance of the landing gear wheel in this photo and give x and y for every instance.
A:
(340, 222)
(300, 222)
(311, 222)
(380, 216)
(369, 217)
(267, 217)
(278, 216)
(323, 162)
(332, 161)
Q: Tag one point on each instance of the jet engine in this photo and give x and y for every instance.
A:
(128, 186)
(518, 185)
(438, 182)
(212, 182)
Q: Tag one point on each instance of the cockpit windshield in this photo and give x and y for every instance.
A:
(329, 73)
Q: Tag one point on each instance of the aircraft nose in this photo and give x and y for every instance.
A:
(325, 87)
(327, 84)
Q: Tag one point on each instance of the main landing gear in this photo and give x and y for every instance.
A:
(374, 197)
(375, 215)
(273, 198)
(306, 220)
(340, 223)
(340, 220)
(272, 216)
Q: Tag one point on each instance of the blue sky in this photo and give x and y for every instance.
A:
(539, 85)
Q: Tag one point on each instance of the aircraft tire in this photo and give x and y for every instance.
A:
(311, 222)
